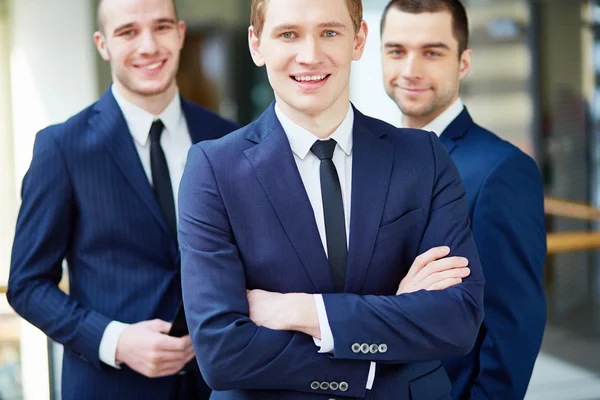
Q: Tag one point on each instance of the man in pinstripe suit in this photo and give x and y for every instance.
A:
(101, 193)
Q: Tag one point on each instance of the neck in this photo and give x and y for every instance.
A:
(154, 104)
(321, 124)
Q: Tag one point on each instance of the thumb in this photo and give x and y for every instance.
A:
(158, 325)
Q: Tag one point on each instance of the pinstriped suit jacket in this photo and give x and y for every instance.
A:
(86, 198)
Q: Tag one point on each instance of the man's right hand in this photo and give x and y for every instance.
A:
(146, 348)
(431, 271)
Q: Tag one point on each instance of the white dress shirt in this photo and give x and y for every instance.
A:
(301, 140)
(439, 125)
(175, 142)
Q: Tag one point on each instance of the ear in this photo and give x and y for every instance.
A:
(182, 28)
(465, 63)
(100, 42)
(360, 40)
(254, 44)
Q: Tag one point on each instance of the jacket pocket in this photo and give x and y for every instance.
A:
(400, 225)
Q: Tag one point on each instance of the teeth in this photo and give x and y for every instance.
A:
(153, 66)
(310, 78)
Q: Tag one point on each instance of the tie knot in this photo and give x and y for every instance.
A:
(156, 130)
(323, 149)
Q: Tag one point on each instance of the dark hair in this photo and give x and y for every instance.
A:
(100, 22)
(460, 21)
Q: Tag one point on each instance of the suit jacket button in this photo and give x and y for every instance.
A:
(343, 386)
(315, 385)
(356, 348)
(334, 386)
(364, 348)
(324, 386)
(374, 348)
(383, 348)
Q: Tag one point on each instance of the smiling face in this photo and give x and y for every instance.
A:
(422, 69)
(308, 47)
(142, 40)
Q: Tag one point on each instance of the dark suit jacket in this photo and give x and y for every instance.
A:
(506, 207)
(86, 198)
(246, 222)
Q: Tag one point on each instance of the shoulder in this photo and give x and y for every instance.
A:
(67, 131)
(232, 143)
(494, 154)
(399, 137)
(205, 118)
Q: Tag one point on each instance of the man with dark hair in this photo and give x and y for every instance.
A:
(101, 192)
(425, 55)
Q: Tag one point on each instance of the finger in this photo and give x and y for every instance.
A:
(440, 276)
(188, 343)
(158, 325)
(170, 343)
(429, 256)
(445, 284)
(444, 264)
(171, 368)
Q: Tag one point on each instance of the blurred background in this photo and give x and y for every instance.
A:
(535, 82)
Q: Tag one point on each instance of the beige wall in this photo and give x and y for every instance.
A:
(8, 203)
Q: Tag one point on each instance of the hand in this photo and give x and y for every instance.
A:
(267, 309)
(431, 271)
(146, 348)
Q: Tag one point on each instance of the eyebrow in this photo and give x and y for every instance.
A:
(291, 27)
(156, 21)
(435, 45)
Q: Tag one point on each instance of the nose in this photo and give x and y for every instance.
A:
(309, 52)
(412, 67)
(148, 44)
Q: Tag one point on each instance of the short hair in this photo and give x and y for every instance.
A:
(460, 21)
(257, 14)
(100, 23)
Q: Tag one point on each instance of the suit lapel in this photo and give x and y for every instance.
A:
(372, 161)
(273, 163)
(110, 123)
(193, 121)
(456, 130)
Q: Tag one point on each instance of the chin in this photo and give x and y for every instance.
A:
(152, 89)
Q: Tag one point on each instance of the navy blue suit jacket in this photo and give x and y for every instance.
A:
(506, 207)
(87, 198)
(246, 222)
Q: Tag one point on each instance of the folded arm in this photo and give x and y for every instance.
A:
(233, 352)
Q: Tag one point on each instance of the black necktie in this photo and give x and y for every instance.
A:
(161, 179)
(333, 210)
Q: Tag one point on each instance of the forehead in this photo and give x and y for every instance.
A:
(120, 12)
(416, 29)
(305, 13)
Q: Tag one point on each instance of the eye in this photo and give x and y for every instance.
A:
(331, 34)
(163, 27)
(129, 32)
(396, 53)
(288, 35)
(432, 54)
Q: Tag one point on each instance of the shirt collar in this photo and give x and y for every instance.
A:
(439, 125)
(139, 120)
(301, 140)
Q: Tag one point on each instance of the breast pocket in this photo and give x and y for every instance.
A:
(403, 225)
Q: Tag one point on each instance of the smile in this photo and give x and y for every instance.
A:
(152, 67)
(313, 78)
